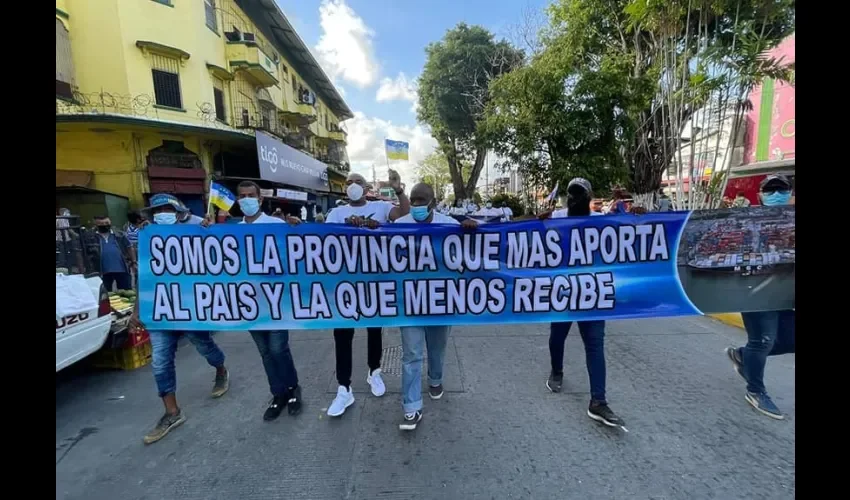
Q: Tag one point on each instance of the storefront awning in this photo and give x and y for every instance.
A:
(286, 165)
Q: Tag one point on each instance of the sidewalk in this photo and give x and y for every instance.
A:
(498, 433)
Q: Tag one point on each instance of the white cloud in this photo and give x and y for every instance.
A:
(345, 48)
(400, 89)
(366, 147)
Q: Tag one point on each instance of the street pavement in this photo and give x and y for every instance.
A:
(498, 433)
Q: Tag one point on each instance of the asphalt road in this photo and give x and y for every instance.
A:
(498, 433)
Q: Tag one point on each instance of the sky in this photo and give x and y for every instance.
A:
(373, 51)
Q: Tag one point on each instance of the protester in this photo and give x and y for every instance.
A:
(370, 214)
(489, 211)
(507, 212)
(741, 200)
(664, 204)
(273, 345)
(113, 255)
(415, 339)
(618, 205)
(320, 217)
(131, 229)
(596, 206)
(164, 209)
(769, 333)
(579, 194)
(459, 208)
(185, 216)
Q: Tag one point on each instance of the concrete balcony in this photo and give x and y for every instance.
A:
(248, 57)
(338, 135)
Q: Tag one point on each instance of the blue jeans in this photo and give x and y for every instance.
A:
(769, 333)
(277, 360)
(164, 347)
(593, 336)
(414, 340)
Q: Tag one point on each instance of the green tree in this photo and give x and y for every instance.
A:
(617, 82)
(454, 92)
(434, 170)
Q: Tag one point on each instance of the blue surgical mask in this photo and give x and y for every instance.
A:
(420, 213)
(249, 206)
(165, 218)
(776, 198)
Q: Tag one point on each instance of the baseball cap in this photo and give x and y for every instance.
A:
(775, 179)
(581, 182)
(163, 199)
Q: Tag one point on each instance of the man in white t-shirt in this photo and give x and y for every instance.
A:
(415, 339)
(273, 345)
(362, 213)
(489, 211)
(507, 213)
(579, 195)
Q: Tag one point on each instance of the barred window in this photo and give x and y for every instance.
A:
(64, 62)
(218, 98)
(166, 81)
(209, 12)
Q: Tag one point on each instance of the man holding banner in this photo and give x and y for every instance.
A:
(579, 195)
(769, 333)
(164, 209)
(362, 213)
(273, 345)
(414, 339)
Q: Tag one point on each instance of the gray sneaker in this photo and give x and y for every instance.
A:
(164, 426)
(436, 392)
(222, 384)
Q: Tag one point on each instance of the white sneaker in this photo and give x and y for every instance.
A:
(376, 383)
(344, 398)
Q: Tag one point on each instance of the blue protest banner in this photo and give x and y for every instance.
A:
(275, 276)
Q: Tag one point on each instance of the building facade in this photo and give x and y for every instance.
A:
(163, 95)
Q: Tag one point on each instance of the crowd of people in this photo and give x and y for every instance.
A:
(769, 333)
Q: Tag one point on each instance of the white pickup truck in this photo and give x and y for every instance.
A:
(79, 335)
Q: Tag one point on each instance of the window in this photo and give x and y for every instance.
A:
(209, 12)
(166, 81)
(294, 85)
(64, 63)
(218, 98)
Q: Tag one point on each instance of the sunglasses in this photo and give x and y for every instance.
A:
(776, 189)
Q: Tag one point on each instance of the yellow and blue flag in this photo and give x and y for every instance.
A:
(397, 150)
(221, 197)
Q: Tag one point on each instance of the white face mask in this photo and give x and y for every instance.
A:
(354, 192)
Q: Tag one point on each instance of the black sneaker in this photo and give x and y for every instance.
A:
(275, 408)
(164, 426)
(436, 392)
(601, 412)
(734, 355)
(294, 401)
(411, 420)
(555, 382)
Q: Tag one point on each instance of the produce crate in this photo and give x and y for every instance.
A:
(127, 358)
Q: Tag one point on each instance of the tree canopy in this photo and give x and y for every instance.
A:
(453, 95)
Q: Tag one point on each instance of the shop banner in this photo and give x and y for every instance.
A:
(311, 276)
(285, 164)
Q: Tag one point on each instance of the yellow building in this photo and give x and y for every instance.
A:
(162, 95)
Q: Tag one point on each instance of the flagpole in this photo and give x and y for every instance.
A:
(386, 155)
(209, 200)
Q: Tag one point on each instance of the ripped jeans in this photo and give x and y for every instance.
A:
(769, 333)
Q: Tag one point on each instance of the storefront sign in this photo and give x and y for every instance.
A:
(289, 194)
(267, 193)
(286, 165)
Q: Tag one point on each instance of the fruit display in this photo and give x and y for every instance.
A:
(122, 301)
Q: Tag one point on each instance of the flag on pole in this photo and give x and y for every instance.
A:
(554, 194)
(397, 150)
(221, 197)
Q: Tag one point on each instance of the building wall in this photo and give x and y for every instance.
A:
(103, 42)
(117, 157)
(771, 125)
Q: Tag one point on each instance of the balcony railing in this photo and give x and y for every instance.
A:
(140, 106)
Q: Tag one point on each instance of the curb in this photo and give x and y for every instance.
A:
(731, 319)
